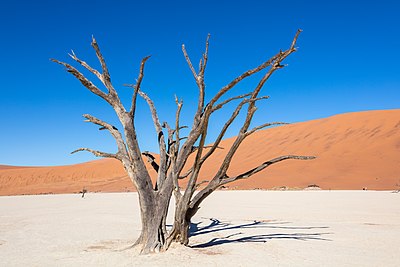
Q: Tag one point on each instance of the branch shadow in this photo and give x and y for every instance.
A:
(216, 225)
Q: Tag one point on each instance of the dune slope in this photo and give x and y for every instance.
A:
(354, 151)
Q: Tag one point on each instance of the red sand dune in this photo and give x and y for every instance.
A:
(354, 150)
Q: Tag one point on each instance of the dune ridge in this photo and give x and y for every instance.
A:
(354, 151)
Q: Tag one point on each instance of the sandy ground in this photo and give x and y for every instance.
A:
(233, 228)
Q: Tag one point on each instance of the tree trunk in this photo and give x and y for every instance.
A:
(153, 211)
(181, 228)
(180, 231)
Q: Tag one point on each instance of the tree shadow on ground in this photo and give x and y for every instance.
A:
(216, 225)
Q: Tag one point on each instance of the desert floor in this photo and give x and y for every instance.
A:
(233, 228)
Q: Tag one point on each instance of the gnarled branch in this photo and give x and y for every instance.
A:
(85, 65)
(85, 82)
(98, 153)
(261, 167)
(114, 132)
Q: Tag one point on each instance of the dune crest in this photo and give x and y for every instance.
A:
(355, 150)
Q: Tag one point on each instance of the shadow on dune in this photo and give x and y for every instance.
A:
(216, 225)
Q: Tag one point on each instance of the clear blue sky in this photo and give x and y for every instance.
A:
(348, 60)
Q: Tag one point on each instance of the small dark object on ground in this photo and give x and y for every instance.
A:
(83, 192)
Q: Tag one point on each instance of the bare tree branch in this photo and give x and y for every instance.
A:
(220, 105)
(293, 46)
(133, 162)
(196, 169)
(194, 148)
(151, 160)
(85, 65)
(265, 125)
(98, 153)
(246, 74)
(114, 132)
(197, 122)
(199, 77)
(227, 125)
(161, 141)
(173, 146)
(251, 108)
(182, 127)
(105, 125)
(175, 173)
(262, 166)
(136, 87)
(275, 63)
(105, 75)
(218, 140)
(253, 71)
(171, 156)
(189, 62)
(170, 133)
(154, 113)
(203, 62)
(86, 82)
(200, 184)
(215, 183)
(179, 105)
(186, 174)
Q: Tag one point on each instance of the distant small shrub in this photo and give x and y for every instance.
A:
(312, 187)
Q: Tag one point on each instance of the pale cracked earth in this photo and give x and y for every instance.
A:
(233, 228)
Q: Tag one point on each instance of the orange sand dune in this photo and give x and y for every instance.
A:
(354, 150)
(99, 175)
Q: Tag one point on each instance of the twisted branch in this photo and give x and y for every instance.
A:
(98, 153)
(113, 130)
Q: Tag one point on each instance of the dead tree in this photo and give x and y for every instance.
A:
(174, 150)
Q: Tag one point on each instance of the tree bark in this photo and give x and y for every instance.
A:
(181, 227)
(153, 211)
